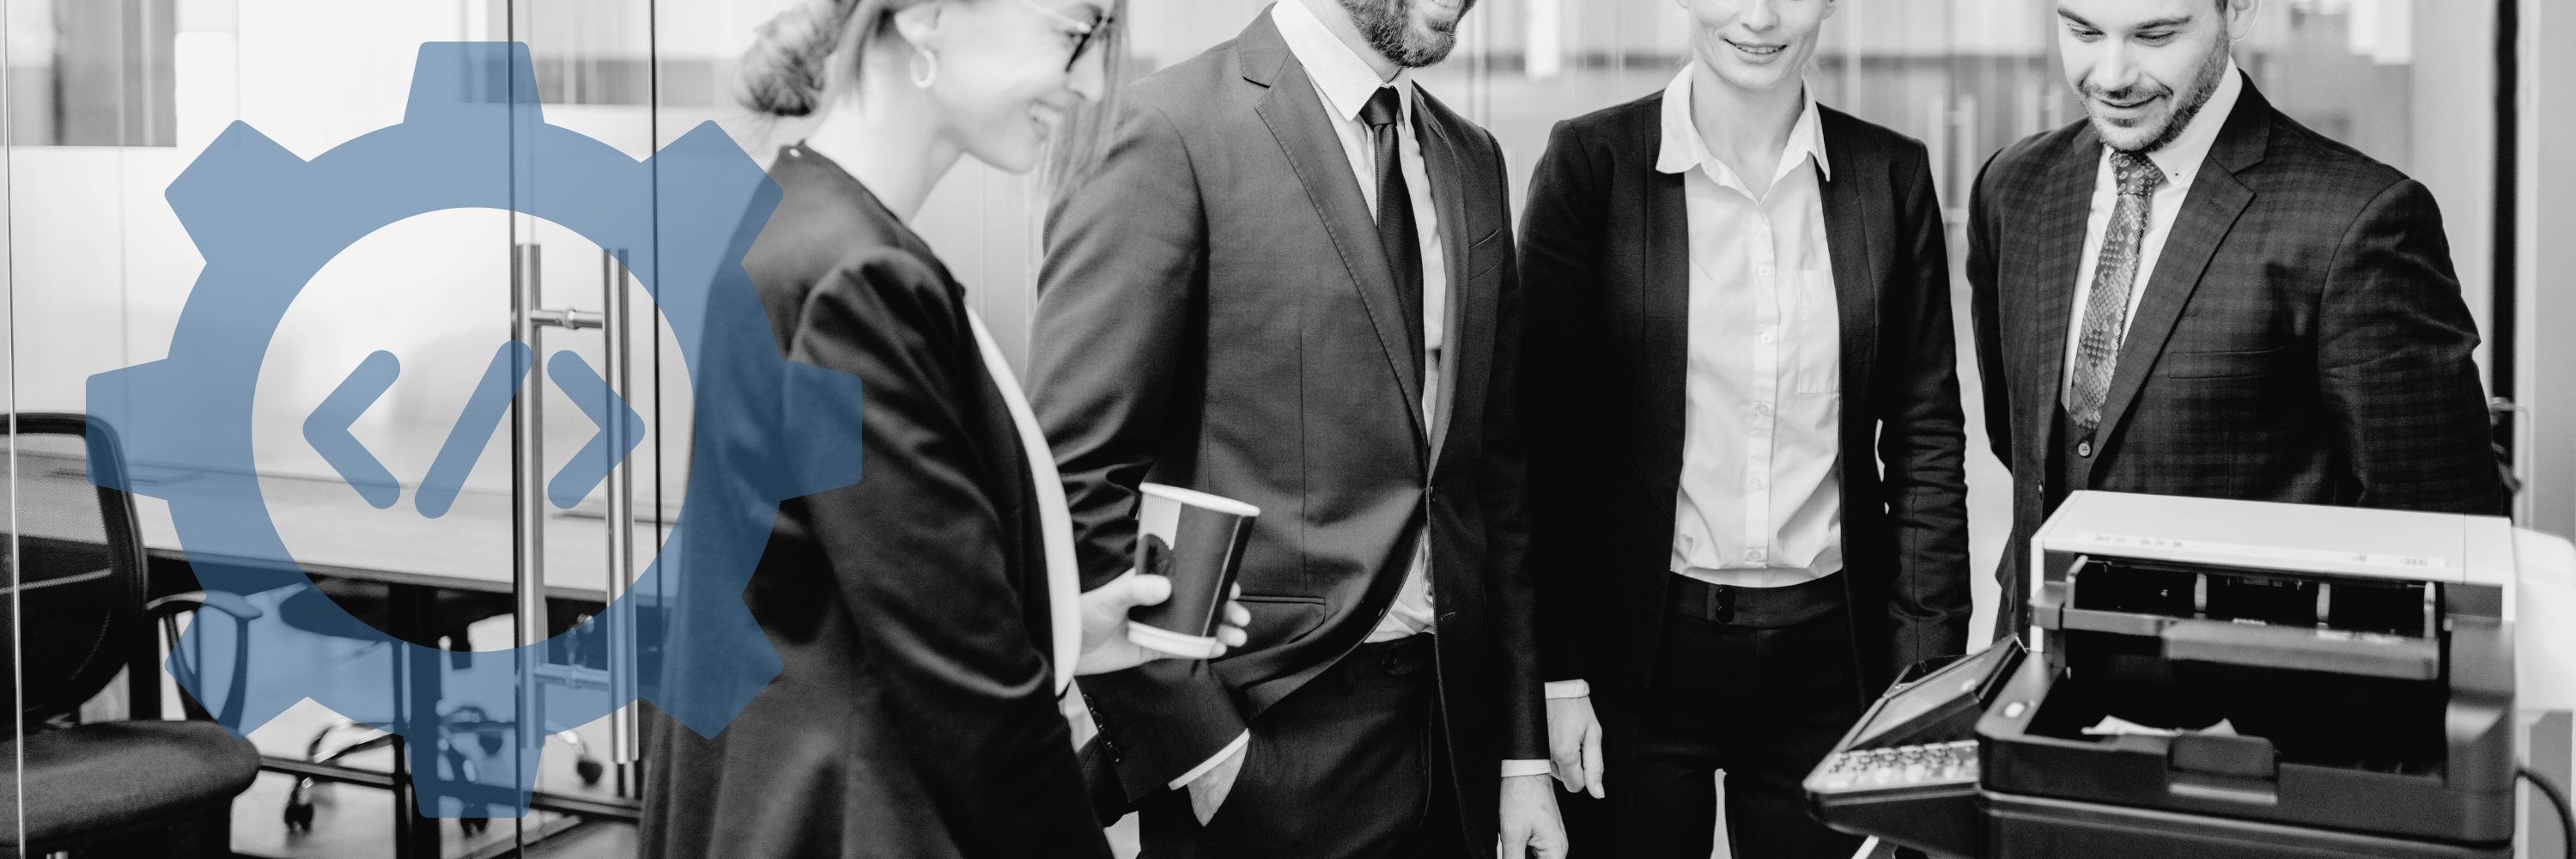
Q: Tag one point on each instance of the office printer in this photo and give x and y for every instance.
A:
(2220, 679)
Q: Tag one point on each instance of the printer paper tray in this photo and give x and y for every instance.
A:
(2139, 773)
(2299, 649)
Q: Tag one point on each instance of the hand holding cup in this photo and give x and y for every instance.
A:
(1105, 646)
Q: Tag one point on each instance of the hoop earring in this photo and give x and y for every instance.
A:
(923, 74)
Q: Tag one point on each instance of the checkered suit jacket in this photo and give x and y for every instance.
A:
(2302, 339)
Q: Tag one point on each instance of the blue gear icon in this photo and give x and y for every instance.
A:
(473, 136)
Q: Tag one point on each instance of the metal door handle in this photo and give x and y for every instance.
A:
(567, 319)
(529, 580)
(621, 509)
(527, 473)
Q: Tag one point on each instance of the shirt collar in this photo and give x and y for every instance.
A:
(1684, 149)
(1345, 79)
(2183, 156)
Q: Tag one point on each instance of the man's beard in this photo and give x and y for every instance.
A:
(1388, 24)
(2204, 84)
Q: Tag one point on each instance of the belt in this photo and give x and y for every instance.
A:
(1398, 657)
(1759, 608)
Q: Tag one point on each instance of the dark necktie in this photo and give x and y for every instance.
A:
(1384, 114)
(2115, 276)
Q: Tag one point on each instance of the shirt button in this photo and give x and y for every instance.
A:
(1753, 554)
(1757, 483)
(1768, 337)
(1762, 270)
(2084, 448)
(1764, 409)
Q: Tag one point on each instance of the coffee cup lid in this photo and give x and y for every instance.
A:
(1176, 644)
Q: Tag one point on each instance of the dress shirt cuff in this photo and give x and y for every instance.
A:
(1231, 749)
(1513, 768)
(1076, 711)
(1568, 689)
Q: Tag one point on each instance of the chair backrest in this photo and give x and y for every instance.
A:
(71, 561)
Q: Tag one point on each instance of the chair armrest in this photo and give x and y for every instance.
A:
(223, 601)
(167, 610)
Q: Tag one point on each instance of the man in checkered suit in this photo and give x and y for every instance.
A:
(2188, 293)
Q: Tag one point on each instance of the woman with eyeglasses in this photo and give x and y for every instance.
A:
(927, 617)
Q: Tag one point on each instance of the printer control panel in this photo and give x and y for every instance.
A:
(1925, 765)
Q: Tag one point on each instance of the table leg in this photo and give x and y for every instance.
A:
(414, 612)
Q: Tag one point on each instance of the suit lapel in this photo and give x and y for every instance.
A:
(1296, 117)
(1443, 158)
(1857, 250)
(2217, 199)
(2065, 207)
(1664, 325)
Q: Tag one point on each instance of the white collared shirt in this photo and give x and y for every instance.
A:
(2181, 161)
(1760, 505)
(1345, 82)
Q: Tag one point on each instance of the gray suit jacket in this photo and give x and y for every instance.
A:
(1216, 313)
(2302, 338)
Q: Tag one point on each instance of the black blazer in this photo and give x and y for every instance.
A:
(1605, 257)
(1216, 313)
(915, 714)
(2302, 338)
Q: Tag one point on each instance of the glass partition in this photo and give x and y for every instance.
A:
(106, 104)
(13, 832)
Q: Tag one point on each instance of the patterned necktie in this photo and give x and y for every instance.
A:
(1383, 113)
(2115, 276)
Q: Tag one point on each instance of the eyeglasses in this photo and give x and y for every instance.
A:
(1088, 33)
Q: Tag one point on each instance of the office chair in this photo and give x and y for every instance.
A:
(372, 604)
(456, 611)
(142, 787)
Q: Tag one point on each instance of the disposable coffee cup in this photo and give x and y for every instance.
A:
(1197, 540)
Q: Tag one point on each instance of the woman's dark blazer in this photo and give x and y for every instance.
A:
(1605, 261)
(916, 712)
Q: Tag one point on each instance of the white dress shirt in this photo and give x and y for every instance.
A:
(1345, 82)
(2181, 161)
(1759, 504)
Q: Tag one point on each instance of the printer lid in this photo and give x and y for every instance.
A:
(2448, 548)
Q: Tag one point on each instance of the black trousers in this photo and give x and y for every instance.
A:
(1350, 766)
(1757, 682)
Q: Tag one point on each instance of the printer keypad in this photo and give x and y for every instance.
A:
(1901, 766)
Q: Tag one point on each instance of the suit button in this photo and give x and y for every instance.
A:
(2084, 448)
